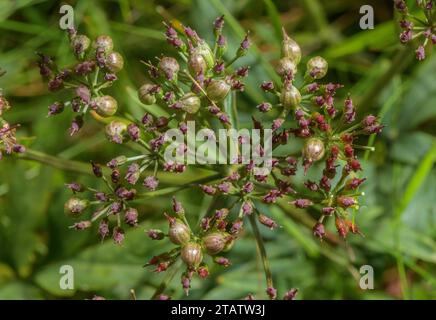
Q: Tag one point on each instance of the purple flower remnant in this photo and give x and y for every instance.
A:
(151, 183)
(118, 235)
(416, 28)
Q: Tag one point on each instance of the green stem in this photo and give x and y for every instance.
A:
(228, 64)
(63, 164)
(235, 110)
(262, 251)
(85, 168)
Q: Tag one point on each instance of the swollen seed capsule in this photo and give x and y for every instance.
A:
(75, 206)
(317, 67)
(313, 149)
(286, 66)
(114, 62)
(196, 63)
(192, 255)
(179, 232)
(190, 102)
(204, 50)
(290, 48)
(144, 96)
(215, 242)
(116, 131)
(217, 90)
(104, 42)
(290, 97)
(106, 106)
(169, 67)
(80, 43)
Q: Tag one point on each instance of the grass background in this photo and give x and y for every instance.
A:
(398, 215)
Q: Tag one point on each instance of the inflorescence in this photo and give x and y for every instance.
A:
(95, 70)
(8, 140)
(417, 27)
(195, 88)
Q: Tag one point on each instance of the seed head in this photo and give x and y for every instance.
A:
(104, 43)
(115, 131)
(80, 43)
(317, 67)
(290, 97)
(114, 62)
(190, 102)
(192, 254)
(105, 106)
(313, 149)
(75, 206)
(290, 48)
(169, 67)
(286, 67)
(215, 242)
(179, 232)
(217, 90)
(145, 95)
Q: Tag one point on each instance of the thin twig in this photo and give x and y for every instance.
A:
(262, 251)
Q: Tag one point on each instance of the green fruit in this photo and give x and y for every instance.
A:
(179, 232)
(116, 131)
(290, 97)
(144, 96)
(217, 90)
(75, 206)
(169, 67)
(114, 62)
(313, 149)
(192, 254)
(190, 102)
(104, 42)
(215, 242)
(106, 106)
(204, 50)
(80, 43)
(290, 48)
(317, 67)
(196, 63)
(286, 66)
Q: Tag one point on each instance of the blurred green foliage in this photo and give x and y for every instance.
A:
(399, 215)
